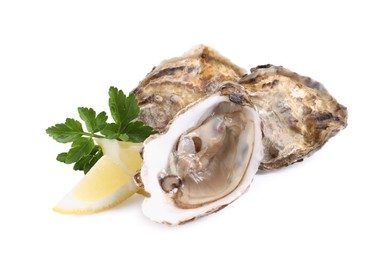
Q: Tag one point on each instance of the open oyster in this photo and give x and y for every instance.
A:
(218, 126)
(298, 114)
(205, 159)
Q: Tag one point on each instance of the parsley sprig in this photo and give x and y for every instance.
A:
(84, 152)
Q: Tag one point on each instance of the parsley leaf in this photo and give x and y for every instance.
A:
(123, 108)
(93, 123)
(136, 132)
(61, 157)
(88, 161)
(91, 159)
(67, 132)
(111, 131)
(80, 148)
(83, 152)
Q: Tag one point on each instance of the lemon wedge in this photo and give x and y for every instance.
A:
(108, 183)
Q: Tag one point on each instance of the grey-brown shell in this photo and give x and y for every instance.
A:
(298, 114)
(178, 82)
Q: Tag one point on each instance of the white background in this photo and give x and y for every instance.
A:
(56, 56)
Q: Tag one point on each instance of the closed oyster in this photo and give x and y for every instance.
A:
(205, 159)
(177, 82)
(298, 114)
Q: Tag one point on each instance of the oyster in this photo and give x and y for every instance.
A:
(219, 126)
(204, 160)
(177, 82)
(298, 114)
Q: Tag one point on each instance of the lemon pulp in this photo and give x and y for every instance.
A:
(103, 179)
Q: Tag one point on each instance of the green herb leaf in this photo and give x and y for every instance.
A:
(93, 124)
(111, 131)
(88, 161)
(91, 160)
(80, 148)
(88, 116)
(100, 121)
(61, 157)
(123, 108)
(84, 153)
(136, 132)
(79, 165)
(67, 132)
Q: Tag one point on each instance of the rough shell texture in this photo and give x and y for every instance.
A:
(177, 82)
(298, 114)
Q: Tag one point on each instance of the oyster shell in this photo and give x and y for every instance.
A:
(205, 159)
(298, 114)
(177, 82)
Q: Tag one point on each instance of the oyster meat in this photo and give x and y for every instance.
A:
(205, 159)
